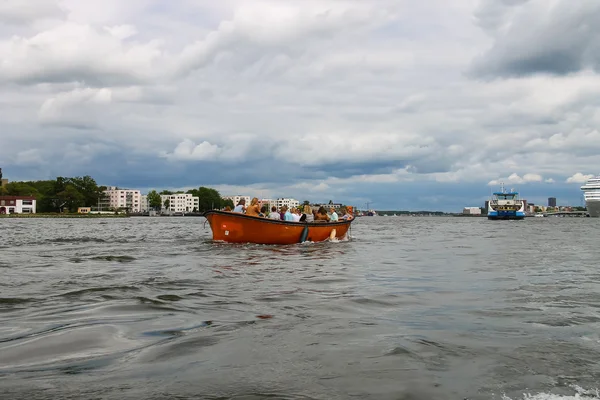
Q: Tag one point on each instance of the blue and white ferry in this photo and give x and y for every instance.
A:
(506, 205)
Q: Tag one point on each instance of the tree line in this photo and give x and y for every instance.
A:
(65, 193)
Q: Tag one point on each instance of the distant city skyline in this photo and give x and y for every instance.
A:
(394, 103)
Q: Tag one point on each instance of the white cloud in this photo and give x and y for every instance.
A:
(579, 178)
(188, 150)
(516, 179)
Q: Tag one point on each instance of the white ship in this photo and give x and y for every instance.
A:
(591, 193)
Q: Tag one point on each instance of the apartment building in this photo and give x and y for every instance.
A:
(180, 202)
(124, 198)
(289, 203)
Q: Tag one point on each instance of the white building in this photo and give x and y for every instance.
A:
(17, 205)
(124, 198)
(180, 202)
(144, 206)
(236, 199)
(472, 211)
(289, 203)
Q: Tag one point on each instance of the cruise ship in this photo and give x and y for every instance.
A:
(591, 193)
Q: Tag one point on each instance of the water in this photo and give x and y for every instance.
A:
(409, 309)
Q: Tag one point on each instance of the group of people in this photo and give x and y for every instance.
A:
(306, 214)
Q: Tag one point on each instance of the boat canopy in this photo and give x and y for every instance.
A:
(510, 194)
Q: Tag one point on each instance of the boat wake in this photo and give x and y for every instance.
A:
(580, 394)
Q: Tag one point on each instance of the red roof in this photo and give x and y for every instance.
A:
(17, 198)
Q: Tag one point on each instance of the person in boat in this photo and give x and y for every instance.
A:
(296, 215)
(287, 216)
(263, 211)
(321, 215)
(308, 214)
(282, 211)
(227, 208)
(241, 206)
(253, 209)
(274, 214)
(333, 217)
(346, 216)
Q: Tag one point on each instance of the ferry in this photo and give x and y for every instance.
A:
(506, 205)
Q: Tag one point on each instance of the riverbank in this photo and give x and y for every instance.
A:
(63, 215)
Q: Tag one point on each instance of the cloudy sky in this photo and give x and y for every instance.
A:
(405, 104)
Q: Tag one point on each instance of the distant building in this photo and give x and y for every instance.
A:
(180, 202)
(552, 202)
(327, 206)
(17, 205)
(124, 198)
(472, 211)
(83, 210)
(289, 203)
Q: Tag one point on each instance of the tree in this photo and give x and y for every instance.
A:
(167, 192)
(167, 204)
(70, 198)
(227, 203)
(307, 203)
(209, 199)
(154, 200)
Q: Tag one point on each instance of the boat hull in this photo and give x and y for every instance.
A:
(593, 208)
(506, 216)
(240, 228)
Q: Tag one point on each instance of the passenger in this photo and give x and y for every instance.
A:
(321, 215)
(346, 216)
(263, 211)
(274, 214)
(296, 215)
(241, 206)
(307, 216)
(282, 211)
(227, 208)
(287, 216)
(254, 209)
(333, 216)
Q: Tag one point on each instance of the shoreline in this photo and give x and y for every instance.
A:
(63, 216)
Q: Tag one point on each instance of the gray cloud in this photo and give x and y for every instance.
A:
(336, 99)
(538, 36)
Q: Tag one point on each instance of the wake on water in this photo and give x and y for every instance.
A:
(581, 394)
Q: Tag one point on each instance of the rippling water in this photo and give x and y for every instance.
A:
(410, 308)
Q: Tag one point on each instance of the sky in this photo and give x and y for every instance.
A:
(408, 105)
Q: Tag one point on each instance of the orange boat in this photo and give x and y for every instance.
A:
(240, 228)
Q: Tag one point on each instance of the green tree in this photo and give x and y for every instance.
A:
(306, 203)
(88, 188)
(154, 200)
(167, 192)
(227, 203)
(21, 189)
(71, 198)
(167, 203)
